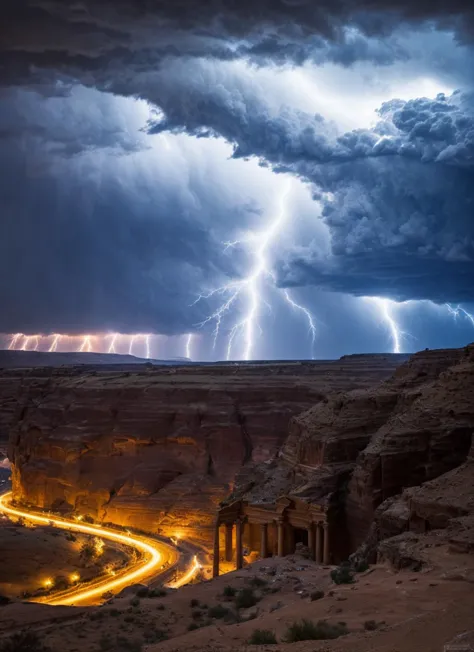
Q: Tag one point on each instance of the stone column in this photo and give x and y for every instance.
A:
(281, 538)
(311, 540)
(326, 544)
(228, 541)
(239, 557)
(215, 560)
(319, 543)
(263, 540)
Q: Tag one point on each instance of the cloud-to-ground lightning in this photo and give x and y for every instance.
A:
(113, 339)
(54, 343)
(26, 341)
(86, 344)
(249, 288)
(385, 307)
(146, 338)
(13, 341)
(189, 339)
(309, 317)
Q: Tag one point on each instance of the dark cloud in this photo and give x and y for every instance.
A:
(98, 40)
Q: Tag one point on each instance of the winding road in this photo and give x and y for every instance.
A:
(154, 554)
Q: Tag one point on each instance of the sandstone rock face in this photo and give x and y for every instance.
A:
(354, 450)
(158, 448)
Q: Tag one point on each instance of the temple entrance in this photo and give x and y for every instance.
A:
(300, 536)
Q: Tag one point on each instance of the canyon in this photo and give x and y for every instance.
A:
(154, 447)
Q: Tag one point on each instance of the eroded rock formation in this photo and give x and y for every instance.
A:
(355, 450)
(158, 448)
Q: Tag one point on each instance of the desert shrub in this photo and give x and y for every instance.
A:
(157, 593)
(21, 521)
(196, 614)
(114, 612)
(370, 625)
(61, 582)
(245, 598)
(88, 519)
(160, 607)
(194, 603)
(87, 551)
(307, 630)
(143, 592)
(192, 626)
(4, 600)
(316, 595)
(342, 575)
(361, 566)
(23, 642)
(229, 591)
(70, 536)
(135, 602)
(262, 637)
(258, 582)
(218, 611)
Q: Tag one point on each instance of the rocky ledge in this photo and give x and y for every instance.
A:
(158, 447)
(384, 460)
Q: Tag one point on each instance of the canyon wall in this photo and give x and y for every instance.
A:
(157, 448)
(354, 450)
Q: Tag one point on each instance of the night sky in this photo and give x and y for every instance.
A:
(277, 178)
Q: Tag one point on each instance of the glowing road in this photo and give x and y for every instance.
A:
(154, 554)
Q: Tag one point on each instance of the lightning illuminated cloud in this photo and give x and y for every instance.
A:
(13, 341)
(249, 290)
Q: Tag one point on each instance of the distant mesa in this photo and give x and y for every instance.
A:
(17, 359)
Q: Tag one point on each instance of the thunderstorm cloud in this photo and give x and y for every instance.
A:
(138, 138)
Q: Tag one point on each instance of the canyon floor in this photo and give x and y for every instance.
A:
(382, 610)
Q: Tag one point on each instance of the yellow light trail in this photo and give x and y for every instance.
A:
(147, 546)
(188, 576)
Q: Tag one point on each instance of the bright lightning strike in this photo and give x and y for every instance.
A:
(189, 340)
(113, 339)
(459, 311)
(250, 287)
(385, 306)
(86, 344)
(55, 342)
(309, 317)
(25, 343)
(13, 341)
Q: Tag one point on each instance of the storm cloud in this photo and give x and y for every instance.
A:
(136, 138)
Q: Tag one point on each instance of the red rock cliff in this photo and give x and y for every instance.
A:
(159, 448)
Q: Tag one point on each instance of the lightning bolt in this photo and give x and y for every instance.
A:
(37, 342)
(249, 288)
(113, 339)
(456, 312)
(189, 340)
(86, 345)
(134, 338)
(13, 341)
(26, 341)
(55, 342)
(309, 317)
(385, 307)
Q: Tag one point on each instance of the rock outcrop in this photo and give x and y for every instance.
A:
(354, 450)
(158, 448)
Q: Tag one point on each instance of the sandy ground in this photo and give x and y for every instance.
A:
(29, 556)
(412, 611)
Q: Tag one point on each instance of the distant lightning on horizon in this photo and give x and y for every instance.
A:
(248, 290)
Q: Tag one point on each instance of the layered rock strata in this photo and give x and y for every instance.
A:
(158, 448)
(353, 451)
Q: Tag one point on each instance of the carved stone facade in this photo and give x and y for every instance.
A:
(269, 530)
